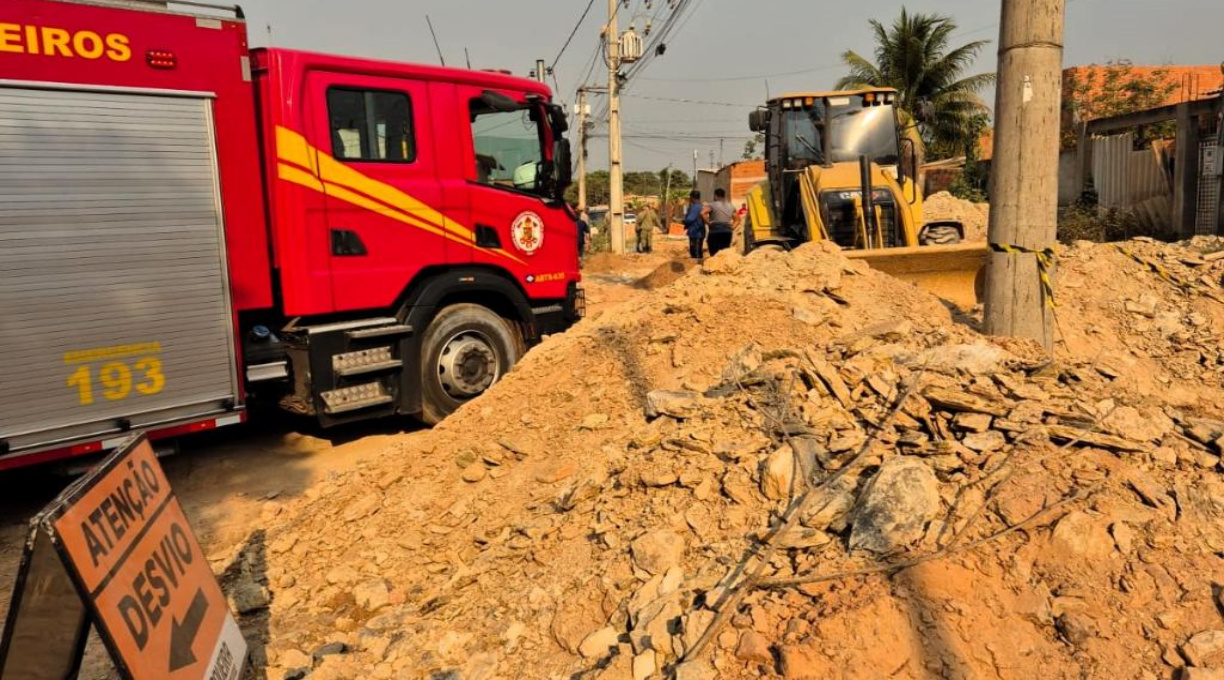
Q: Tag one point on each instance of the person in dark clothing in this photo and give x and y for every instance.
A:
(722, 222)
(695, 225)
(584, 232)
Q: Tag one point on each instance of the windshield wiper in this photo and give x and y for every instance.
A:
(803, 140)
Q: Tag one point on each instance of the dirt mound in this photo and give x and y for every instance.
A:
(786, 464)
(1148, 314)
(943, 206)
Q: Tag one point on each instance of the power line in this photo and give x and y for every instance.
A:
(691, 101)
(573, 33)
(759, 76)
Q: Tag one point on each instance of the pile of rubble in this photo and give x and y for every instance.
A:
(1148, 314)
(782, 465)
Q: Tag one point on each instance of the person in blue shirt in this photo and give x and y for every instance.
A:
(695, 225)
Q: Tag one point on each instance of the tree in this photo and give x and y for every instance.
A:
(937, 101)
(753, 148)
(1114, 89)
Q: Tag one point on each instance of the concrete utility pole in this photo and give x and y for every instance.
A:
(541, 71)
(666, 202)
(616, 170)
(582, 149)
(1024, 177)
(694, 168)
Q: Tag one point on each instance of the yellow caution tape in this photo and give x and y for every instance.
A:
(1045, 263)
(1159, 270)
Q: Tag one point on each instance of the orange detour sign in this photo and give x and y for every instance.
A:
(137, 565)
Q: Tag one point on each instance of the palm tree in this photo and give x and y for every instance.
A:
(935, 97)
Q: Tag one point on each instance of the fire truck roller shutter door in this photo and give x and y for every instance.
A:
(113, 281)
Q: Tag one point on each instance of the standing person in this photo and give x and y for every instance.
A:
(723, 218)
(695, 225)
(584, 232)
(648, 221)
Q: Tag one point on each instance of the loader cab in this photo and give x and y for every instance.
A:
(831, 131)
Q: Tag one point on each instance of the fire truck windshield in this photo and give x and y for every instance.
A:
(510, 148)
(856, 129)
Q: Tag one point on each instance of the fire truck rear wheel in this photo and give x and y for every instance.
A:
(467, 348)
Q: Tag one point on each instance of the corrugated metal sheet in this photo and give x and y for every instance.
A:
(1134, 180)
(112, 268)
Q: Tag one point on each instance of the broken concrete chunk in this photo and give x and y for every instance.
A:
(599, 643)
(963, 402)
(1204, 648)
(778, 479)
(896, 507)
(657, 551)
(678, 405)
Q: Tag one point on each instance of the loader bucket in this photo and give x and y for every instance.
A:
(955, 273)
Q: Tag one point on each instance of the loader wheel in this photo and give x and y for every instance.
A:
(466, 349)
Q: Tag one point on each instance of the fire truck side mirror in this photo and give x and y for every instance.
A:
(565, 168)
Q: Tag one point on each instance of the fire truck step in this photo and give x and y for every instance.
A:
(380, 332)
(351, 371)
(356, 398)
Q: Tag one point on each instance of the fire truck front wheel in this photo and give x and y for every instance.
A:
(465, 350)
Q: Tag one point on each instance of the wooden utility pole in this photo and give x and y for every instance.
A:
(616, 170)
(1024, 172)
(582, 149)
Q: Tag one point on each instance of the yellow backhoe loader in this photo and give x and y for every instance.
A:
(840, 169)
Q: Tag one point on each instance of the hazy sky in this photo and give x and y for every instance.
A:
(738, 41)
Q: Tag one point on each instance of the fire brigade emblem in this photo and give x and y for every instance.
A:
(528, 232)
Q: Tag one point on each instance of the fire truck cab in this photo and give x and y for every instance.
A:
(186, 222)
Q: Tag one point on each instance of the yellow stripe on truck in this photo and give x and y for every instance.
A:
(306, 166)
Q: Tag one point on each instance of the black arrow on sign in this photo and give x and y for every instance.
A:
(183, 633)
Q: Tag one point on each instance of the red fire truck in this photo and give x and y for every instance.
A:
(185, 221)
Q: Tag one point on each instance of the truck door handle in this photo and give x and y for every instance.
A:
(346, 243)
(486, 237)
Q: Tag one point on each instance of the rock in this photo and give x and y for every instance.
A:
(802, 663)
(1124, 537)
(1202, 674)
(249, 596)
(1204, 648)
(342, 575)
(656, 625)
(296, 673)
(1129, 423)
(778, 481)
(372, 595)
(754, 648)
(657, 551)
(293, 658)
(474, 473)
(594, 421)
(1076, 628)
(895, 508)
(329, 649)
(678, 405)
(659, 478)
(598, 644)
(972, 422)
(644, 665)
(1082, 536)
(975, 359)
(1064, 434)
(557, 473)
(985, 442)
(957, 401)
(694, 670)
(696, 623)
(831, 508)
